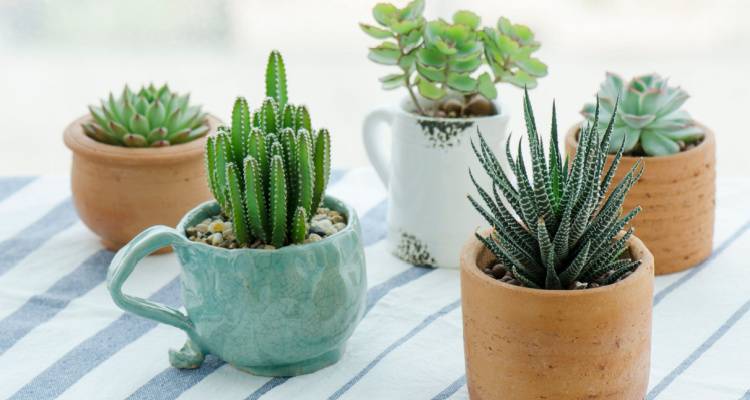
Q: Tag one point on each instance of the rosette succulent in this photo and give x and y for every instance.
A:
(650, 120)
(555, 227)
(149, 117)
(269, 170)
(443, 61)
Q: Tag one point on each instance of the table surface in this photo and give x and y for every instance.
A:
(62, 337)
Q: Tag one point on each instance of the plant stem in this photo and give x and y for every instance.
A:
(413, 96)
(407, 78)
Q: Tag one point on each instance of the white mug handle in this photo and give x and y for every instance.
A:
(374, 145)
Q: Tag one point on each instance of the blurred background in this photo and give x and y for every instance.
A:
(57, 57)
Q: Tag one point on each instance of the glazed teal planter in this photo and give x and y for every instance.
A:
(281, 312)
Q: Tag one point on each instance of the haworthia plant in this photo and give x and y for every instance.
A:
(269, 170)
(149, 117)
(437, 58)
(650, 120)
(556, 225)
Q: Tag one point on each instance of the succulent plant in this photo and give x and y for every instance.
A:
(150, 117)
(649, 121)
(556, 227)
(269, 170)
(443, 60)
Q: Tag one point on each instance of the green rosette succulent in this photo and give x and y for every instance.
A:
(649, 120)
(268, 170)
(441, 60)
(556, 223)
(149, 117)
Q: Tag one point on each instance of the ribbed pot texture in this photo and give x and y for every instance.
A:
(120, 191)
(526, 344)
(677, 194)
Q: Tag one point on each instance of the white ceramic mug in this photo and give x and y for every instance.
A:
(426, 173)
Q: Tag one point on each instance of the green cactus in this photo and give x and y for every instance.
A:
(438, 58)
(269, 171)
(650, 120)
(150, 117)
(558, 226)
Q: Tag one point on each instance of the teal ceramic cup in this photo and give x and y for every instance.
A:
(281, 312)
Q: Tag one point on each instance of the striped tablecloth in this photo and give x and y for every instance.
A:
(62, 337)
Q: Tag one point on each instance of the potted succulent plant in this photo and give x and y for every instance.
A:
(273, 271)
(556, 297)
(450, 71)
(677, 191)
(137, 161)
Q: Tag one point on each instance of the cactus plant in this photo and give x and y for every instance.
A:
(443, 60)
(149, 117)
(557, 227)
(269, 170)
(650, 120)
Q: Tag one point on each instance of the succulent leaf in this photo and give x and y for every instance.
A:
(438, 58)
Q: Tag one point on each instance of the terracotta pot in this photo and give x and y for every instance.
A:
(523, 343)
(677, 194)
(120, 191)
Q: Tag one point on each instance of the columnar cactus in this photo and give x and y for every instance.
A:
(269, 170)
(150, 117)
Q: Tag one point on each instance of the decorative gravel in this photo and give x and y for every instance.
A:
(499, 272)
(218, 230)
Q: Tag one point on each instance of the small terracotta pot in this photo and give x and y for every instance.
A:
(523, 343)
(677, 195)
(120, 191)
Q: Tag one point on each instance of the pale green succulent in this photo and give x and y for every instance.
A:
(649, 119)
(438, 58)
(150, 117)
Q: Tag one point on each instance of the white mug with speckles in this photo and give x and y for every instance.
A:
(427, 176)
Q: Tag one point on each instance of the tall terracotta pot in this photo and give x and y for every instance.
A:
(120, 191)
(526, 344)
(677, 194)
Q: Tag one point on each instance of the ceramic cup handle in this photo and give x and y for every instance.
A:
(122, 266)
(373, 139)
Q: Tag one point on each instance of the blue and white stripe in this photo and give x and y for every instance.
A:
(61, 336)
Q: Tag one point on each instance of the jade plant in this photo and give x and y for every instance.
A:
(269, 170)
(149, 117)
(557, 228)
(443, 61)
(650, 120)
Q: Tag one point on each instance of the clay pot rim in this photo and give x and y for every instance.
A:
(474, 247)
(571, 139)
(78, 142)
(352, 225)
(403, 109)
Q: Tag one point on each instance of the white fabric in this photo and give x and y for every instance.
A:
(62, 337)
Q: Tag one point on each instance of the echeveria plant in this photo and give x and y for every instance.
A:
(269, 170)
(440, 59)
(649, 120)
(149, 117)
(556, 227)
